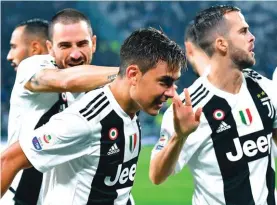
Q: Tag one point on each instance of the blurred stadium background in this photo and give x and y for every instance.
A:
(112, 22)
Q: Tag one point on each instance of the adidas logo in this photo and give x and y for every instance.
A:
(113, 150)
(222, 127)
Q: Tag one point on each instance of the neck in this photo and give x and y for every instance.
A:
(121, 91)
(225, 76)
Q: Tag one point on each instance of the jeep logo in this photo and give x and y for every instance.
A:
(122, 176)
(250, 148)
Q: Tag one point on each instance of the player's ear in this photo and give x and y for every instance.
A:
(93, 46)
(221, 45)
(36, 48)
(49, 46)
(133, 73)
(189, 48)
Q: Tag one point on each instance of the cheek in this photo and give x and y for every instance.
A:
(20, 54)
(150, 92)
(60, 55)
(87, 52)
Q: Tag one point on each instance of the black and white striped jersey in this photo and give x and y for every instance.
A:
(30, 110)
(90, 152)
(229, 154)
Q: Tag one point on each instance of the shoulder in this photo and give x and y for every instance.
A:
(94, 105)
(252, 75)
(34, 64)
(263, 82)
(198, 95)
(41, 60)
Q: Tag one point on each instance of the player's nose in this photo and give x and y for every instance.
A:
(75, 54)
(171, 91)
(9, 56)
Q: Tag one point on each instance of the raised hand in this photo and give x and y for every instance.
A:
(185, 120)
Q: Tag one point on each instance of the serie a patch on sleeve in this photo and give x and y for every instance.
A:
(164, 136)
(43, 141)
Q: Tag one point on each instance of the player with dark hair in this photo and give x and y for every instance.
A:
(89, 152)
(28, 39)
(195, 55)
(229, 153)
(41, 84)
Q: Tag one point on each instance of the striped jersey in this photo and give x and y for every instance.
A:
(28, 111)
(229, 154)
(89, 152)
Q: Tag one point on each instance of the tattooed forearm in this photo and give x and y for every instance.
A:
(112, 77)
(34, 80)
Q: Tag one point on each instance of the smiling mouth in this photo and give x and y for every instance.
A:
(75, 64)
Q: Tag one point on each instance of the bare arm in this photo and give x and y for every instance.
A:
(76, 79)
(163, 164)
(13, 160)
(185, 122)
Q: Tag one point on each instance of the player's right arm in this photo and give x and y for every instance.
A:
(65, 137)
(75, 79)
(13, 160)
(185, 122)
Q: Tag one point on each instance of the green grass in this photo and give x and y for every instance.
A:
(177, 190)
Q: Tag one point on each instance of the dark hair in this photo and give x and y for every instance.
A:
(68, 16)
(209, 22)
(145, 47)
(190, 33)
(37, 27)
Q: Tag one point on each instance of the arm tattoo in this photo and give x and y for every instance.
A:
(34, 80)
(112, 77)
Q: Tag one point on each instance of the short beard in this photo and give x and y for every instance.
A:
(240, 58)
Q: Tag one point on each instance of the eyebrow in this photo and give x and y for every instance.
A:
(64, 43)
(244, 27)
(168, 78)
(82, 42)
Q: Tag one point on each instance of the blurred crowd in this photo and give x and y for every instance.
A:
(112, 21)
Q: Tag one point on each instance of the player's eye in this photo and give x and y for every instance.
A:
(166, 83)
(83, 44)
(244, 30)
(64, 46)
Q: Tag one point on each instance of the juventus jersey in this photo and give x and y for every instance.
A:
(89, 152)
(229, 154)
(30, 110)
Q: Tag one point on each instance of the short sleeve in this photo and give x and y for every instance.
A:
(30, 66)
(63, 138)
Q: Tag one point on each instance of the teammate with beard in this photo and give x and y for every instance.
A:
(229, 154)
(35, 96)
(90, 150)
(28, 39)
